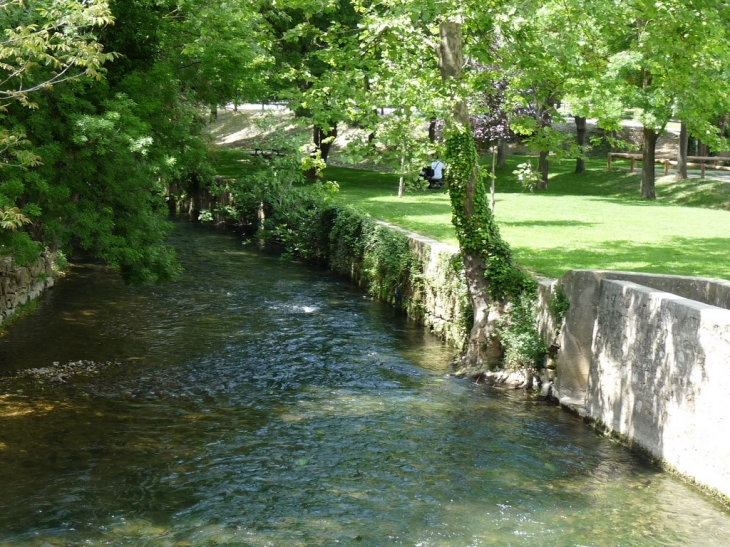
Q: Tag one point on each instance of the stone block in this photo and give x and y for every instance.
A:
(659, 377)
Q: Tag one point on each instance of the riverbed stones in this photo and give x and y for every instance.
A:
(56, 373)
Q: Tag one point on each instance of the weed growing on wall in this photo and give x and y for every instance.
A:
(299, 222)
(20, 312)
(523, 346)
(558, 305)
(465, 319)
(392, 269)
(350, 230)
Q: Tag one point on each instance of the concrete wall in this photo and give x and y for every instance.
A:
(648, 356)
(582, 287)
(19, 284)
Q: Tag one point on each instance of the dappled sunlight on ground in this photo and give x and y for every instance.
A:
(11, 406)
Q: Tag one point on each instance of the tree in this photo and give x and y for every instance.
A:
(669, 59)
(682, 153)
(45, 43)
(581, 131)
(315, 48)
(109, 149)
(537, 49)
(489, 268)
(402, 75)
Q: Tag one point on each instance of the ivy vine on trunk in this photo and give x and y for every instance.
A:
(490, 271)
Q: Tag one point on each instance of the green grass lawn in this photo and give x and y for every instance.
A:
(594, 220)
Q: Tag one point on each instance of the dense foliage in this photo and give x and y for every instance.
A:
(91, 160)
(103, 105)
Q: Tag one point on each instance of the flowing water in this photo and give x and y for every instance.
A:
(260, 403)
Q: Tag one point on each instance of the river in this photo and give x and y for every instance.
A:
(257, 402)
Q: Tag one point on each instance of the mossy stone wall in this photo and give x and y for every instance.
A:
(20, 284)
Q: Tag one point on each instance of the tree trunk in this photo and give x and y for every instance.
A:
(682, 154)
(501, 153)
(702, 148)
(544, 120)
(322, 143)
(401, 180)
(543, 168)
(471, 211)
(492, 189)
(432, 130)
(323, 140)
(581, 132)
(648, 190)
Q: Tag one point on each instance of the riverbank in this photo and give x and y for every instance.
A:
(593, 220)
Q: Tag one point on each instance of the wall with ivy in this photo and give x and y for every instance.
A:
(418, 275)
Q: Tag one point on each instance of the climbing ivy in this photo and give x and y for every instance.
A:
(478, 233)
(349, 230)
(393, 269)
(523, 346)
(558, 305)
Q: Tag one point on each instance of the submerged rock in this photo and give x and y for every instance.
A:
(55, 374)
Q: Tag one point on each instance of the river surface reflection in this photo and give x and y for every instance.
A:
(261, 403)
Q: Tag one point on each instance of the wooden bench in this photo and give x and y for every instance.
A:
(692, 161)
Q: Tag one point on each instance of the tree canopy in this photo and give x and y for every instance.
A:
(104, 102)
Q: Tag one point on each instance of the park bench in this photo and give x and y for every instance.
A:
(703, 162)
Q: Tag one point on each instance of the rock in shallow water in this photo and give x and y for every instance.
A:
(57, 373)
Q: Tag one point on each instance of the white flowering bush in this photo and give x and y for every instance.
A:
(527, 176)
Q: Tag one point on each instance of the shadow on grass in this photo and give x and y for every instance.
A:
(545, 223)
(695, 192)
(704, 257)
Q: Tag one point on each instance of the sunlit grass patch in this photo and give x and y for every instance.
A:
(593, 220)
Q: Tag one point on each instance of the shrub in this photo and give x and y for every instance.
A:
(516, 330)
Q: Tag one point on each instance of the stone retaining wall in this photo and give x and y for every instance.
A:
(439, 295)
(648, 357)
(20, 284)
